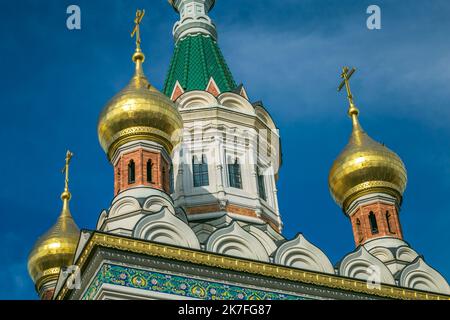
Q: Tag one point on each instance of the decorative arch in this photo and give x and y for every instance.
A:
(382, 253)
(235, 101)
(196, 99)
(406, 254)
(419, 275)
(101, 219)
(262, 237)
(164, 227)
(300, 253)
(360, 264)
(203, 231)
(265, 117)
(235, 241)
(156, 204)
(123, 206)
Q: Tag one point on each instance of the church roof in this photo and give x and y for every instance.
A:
(149, 249)
(196, 59)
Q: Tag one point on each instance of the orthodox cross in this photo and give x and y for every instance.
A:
(136, 31)
(65, 170)
(346, 75)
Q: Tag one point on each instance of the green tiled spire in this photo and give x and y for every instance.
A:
(197, 56)
(196, 59)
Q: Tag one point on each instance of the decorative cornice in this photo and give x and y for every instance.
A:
(194, 18)
(245, 266)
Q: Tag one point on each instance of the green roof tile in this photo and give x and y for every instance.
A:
(196, 59)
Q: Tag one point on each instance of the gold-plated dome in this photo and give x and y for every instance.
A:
(57, 246)
(138, 112)
(365, 166)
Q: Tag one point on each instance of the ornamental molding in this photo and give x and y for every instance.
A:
(359, 264)
(419, 275)
(300, 252)
(245, 266)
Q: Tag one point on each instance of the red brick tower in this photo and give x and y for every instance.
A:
(368, 180)
(138, 130)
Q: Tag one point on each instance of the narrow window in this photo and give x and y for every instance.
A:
(149, 170)
(388, 222)
(200, 171)
(358, 230)
(261, 185)
(373, 223)
(131, 172)
(234, 174)
(164, 178)
(118, 180)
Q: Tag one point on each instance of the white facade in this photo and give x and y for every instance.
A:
(222, 130)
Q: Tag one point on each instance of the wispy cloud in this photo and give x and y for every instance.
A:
(407, 70)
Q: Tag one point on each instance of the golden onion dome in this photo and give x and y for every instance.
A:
(56, 248)
(139, 112)
(365, 166)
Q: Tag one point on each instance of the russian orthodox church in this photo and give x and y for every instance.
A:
(195, 212)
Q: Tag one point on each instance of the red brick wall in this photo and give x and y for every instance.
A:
(47, 294)
(232, 209)
(363, 231)
(213, 89)
(177, 91)
(140, 158)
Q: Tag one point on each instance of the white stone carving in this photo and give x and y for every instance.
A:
(358, 264)
(419, 275)
(235, 241)
(300, 253)
(164, 227)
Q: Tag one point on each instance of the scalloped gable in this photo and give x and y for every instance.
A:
(300, 253)
(419, 275)
(164, 227)
(233, 240)
(358, 263)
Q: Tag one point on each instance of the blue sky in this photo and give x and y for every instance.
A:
(287, 53)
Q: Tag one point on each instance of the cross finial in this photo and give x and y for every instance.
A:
(66, 194)
(346, 75)
(136, 30)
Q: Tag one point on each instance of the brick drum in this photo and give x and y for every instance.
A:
(140, 158)
(387, 222)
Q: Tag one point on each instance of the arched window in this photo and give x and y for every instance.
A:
(149, 170)
(373, 223)
(388, 222)
(234, 174)
(359, 230)
(200, 171)
(261, 185)
(131, 172)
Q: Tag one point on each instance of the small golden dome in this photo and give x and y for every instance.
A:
(55, 248)
(137, 112)
(365, 166)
